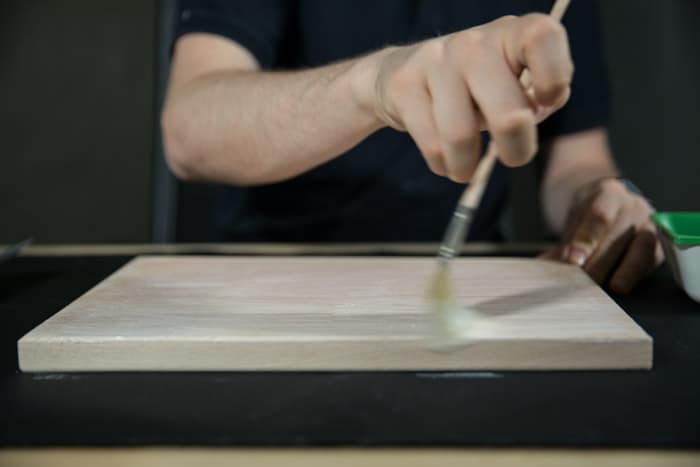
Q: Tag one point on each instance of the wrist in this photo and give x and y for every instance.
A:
(365, 85)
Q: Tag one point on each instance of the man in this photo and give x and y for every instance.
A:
(330, 148)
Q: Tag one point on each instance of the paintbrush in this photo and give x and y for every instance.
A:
(452, 324)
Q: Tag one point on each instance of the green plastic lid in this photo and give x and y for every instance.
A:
(682, 227)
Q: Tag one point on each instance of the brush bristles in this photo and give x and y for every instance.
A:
(453, 325)
(440, 289)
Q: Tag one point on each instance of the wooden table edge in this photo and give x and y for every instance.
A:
(340, 249)
(341, 457)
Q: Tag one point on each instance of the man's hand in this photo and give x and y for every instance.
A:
(444, 91)
(609, 233)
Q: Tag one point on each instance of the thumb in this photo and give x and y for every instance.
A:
(554, 253)
(589, 232)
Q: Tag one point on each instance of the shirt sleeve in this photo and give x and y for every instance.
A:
(257, 25)
(588, 106)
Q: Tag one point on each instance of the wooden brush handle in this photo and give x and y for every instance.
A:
(559, 8)
(472, 194)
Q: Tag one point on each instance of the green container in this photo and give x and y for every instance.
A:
(680, 238)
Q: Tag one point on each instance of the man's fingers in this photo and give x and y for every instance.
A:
(598, 219)
(552, 254)
(615, 244)
(539, 43)
(443, 90)
(417, 117)
(456, 121)
(585, 241)
(608, 254)
(541, 112)
(643, 256)
(501, 99)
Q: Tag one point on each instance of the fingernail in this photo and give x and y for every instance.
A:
(577, 256)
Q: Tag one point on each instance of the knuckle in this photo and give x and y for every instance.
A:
(460, 136)
(512, 123)
(600, 214)
(505, 19)
(611, 184)
(553, 86)
(540, 28)
(432, 151)
(642, 205)
(635, 203)
(471, 40)
(614, 189)
(433, 50)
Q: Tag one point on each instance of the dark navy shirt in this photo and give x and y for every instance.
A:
(381, 190)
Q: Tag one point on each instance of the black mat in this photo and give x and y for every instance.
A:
(658, 408)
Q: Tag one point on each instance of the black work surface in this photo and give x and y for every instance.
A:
(658, 408)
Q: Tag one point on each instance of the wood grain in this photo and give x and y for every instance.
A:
(346, 457)
(335, 313)
(282, 249)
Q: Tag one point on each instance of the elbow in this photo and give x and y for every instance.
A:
(191, 159)
(178, 147)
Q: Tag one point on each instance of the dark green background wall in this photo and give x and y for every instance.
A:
(78, 109)
(654, 61)
(76, 119)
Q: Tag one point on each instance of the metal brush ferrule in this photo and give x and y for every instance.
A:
(454, 236)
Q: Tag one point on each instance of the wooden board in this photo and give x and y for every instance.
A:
(296, 313)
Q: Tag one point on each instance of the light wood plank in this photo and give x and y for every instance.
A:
(338, 313)
(174, 457)
(281, 249)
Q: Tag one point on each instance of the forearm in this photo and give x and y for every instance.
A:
(226, 121)
(255, 127)
(574, 161)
